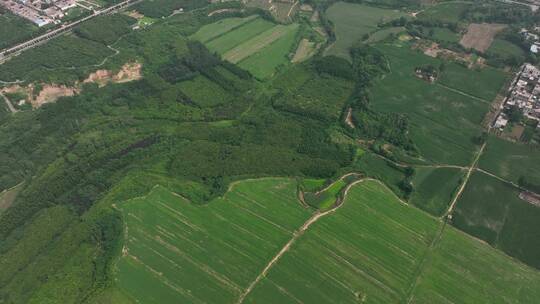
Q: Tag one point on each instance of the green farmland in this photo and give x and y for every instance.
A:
(373, 248)
(182, 252)
(353, 21)
(443, 122)
(511, 160)
(445, 11)
(253, 43)
(484, 83)
(434, 188)
(492, 211)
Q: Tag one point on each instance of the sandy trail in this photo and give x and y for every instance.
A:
(296, 235)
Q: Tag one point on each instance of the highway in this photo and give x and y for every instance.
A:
(6, 54)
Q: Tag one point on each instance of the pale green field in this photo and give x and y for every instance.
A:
(218, 28)
(353, 21)
(239, 35)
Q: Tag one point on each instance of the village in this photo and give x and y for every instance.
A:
(44, 12)
(523, 99)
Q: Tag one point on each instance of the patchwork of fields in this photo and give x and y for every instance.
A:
(253, 43)
(353, 21)
(444, 120)
(372, 249)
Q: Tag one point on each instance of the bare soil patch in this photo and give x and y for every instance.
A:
(479, 36)
(7, 197)
(135, 14)
(128, 72)
(304, 51)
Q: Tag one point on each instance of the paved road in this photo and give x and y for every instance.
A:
(6, 54)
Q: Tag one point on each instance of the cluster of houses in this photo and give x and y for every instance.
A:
(40, 12)
(524, 94)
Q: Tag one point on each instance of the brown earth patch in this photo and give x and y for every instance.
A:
(305, 49)
(479, 36)
(128, 72)
(135, 14)
(52, 92)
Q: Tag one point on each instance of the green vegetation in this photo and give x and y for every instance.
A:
(353, 21)
(326, 198)
(483, 83)
(14, 29)
(117, 25)
(393, 176)
(504, 48)
(442, 122)
(445, 12)
(213, 30)
(60, 56)
(512, 161)
(464, 270)
(375, 249)
(434, 188)
(235, 37)
(163, 8)
(492, 211)
(169, 235)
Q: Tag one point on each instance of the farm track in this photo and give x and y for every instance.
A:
(463, 93)
(297, 234)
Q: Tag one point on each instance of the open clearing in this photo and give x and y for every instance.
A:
(480, 36)
(352, 22)
(256, 245)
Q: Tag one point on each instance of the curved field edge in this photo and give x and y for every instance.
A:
(370, 248)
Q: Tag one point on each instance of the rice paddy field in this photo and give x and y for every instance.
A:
(253, 43)
(373, 249)
(443, 121)
(511, 160)
(353, 21)
(491, 210)
(434, 188)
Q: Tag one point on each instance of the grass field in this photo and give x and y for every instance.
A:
(253, 43)
(491, 210)
(218, 28)
(444, 34)
(352, 22)
(505, 48)
(233, 38)
(511, 160)
(204, 92)
(180, 252)
(445, 12)
(264, 63)
(443, 122)
(484, 83)
(434, 188)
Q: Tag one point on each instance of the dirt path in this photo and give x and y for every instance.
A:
(348, 118)
(463, 93)
(467, 176)
(296, 235)
(9, 104)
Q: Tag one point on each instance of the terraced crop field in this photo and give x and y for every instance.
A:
(253, 43)
(373, 249)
